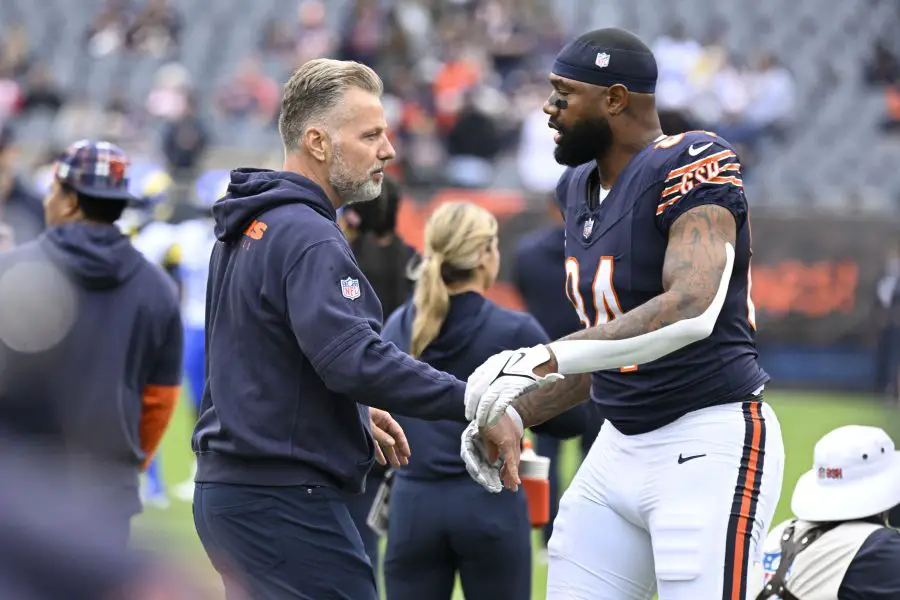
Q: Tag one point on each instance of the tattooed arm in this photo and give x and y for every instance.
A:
(694, 265)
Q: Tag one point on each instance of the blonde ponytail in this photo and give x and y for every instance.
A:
(457, 235)
(432, 302)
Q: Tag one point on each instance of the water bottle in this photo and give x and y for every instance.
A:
(534, 471)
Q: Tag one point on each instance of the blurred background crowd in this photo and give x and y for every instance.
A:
(811, 95)
(807, 90)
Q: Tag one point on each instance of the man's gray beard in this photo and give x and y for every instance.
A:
(351, 191)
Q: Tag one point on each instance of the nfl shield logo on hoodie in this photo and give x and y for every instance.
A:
(350, 288)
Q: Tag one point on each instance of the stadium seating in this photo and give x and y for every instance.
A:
(834, 148)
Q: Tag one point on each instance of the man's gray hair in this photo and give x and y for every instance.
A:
(316, 87)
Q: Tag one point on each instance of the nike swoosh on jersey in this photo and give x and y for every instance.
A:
(684, 459)
(695, 151)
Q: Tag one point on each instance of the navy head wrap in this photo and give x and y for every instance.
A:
(597, 65)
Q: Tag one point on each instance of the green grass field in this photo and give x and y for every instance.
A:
(804, 417)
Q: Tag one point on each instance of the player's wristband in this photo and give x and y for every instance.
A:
(587, 356)
(515, 416)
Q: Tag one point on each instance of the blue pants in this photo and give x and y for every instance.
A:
(195, 363)
(292, 542)
(155, 484)
(438, 528)
(359, 506)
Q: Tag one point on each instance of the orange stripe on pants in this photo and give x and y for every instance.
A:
(748, 490)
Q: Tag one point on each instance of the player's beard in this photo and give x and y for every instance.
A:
(585, 141)
(348, 186)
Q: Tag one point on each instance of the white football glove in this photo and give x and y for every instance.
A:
(474, 455)
(506, 376)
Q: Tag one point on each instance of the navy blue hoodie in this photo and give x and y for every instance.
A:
(540, 276)
(293, 343)
(474, 330)
(86, 326)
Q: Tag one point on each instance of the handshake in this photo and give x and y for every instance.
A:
(491, 444)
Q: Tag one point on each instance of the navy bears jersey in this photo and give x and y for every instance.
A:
(614, 262)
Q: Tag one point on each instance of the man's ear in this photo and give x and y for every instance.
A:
(317, 143)
(616, 99)
(69, 206)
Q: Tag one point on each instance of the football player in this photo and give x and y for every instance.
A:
(681, 484)
(196, 239)
(153, 237)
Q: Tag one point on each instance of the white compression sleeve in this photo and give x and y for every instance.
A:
(587, 356)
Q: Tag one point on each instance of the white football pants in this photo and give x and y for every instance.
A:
(682, 510)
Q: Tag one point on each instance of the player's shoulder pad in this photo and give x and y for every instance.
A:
(683, 150)
(692, 160)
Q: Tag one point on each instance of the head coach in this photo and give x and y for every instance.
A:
(295, 356)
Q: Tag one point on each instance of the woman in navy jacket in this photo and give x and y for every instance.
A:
(441, 521)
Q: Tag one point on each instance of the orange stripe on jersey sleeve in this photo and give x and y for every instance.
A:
(156, 412)
(717, 157)
(720, 168)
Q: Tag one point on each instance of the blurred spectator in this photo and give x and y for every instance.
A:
(249, 94)
(314, 39)
(156, 30)
(121, 124)
(184, 142)
(509, 40)
(884, 67)
(106, 34)
(382, 255)
(461, 71)
(168, 98)
(20, 208)
(363, 33)
(772, 96)
(884, 70)
(414, 19)
(79, 118)
(892, 109)
(15, 51)
(472, 145)
(41, 92)
(677, 56)
(10, 94)
(538, 171)
(278, 40)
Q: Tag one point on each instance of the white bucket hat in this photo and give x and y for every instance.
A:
(856, 474)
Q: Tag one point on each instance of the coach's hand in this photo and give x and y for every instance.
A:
(505, 376)
(475, 455)
(391, 444)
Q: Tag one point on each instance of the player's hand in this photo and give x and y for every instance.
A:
(481, 378)
(506, 376)
(475, 455)
(391, 444)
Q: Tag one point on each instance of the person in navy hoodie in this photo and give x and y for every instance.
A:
(295, 357)
(441, 521)
(90, 334)
(539, 274)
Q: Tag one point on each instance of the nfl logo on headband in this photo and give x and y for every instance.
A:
(602, 60)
